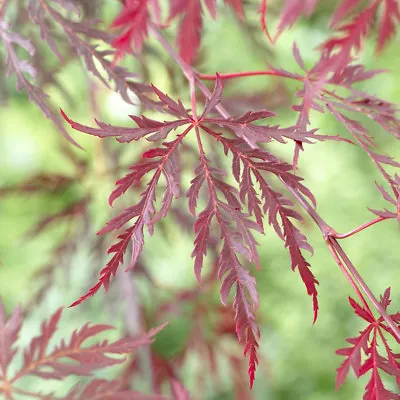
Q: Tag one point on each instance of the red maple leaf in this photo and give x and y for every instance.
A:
(69, 357)
(191, 23)
(365, 345)
(292, 11)
(350, 34)
(133, 22)
(224, 208)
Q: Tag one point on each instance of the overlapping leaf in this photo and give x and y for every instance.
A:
(349, 34)
(363, 354)
(237, 239)
(224, 208)
(317, 95)
(144, 211)
(234, 212)
(69, 357)
(248, 163)
(21, 68)
(79, 36)
(191, 23)
(389, 17)
(393, 199)
(292, 11)
(133, 20)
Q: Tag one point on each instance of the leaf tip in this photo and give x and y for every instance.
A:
(64, 115)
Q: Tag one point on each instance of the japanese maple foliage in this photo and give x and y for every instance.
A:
(210, 172)
(365, 345)
(69, 357)
(225, 204)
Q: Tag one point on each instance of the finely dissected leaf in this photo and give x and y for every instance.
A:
(133, 20)
(39, 361)
(316, 96)
(361, 136)
(351, 34)
(393, 199)
(245, 163)
(224, 208)
(253, 134)
(166, 164)
(146, 126)
(22, 67)
(237, 239)
(339, 49)
(390, 19)
(292, 11)
(191, 23)
(69, 357)
(78, 35)
(365, 346)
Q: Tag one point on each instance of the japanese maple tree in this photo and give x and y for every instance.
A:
(220, 164)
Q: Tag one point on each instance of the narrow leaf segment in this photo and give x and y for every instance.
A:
(363, 354)
(235, 213)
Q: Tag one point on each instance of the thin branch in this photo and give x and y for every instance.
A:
(186, 68)
(193, 99)
(365, 287)
(360, 228)
(329, 237)
(347, 274)
(233, 75)
(311, 211)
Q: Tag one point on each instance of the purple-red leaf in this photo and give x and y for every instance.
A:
(133, 21)
(365, 347)
(70, 357)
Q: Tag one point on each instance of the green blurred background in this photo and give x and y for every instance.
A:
(298, 359)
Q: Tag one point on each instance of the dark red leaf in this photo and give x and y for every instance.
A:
(133, 20)
(365, 347)
(69, 357)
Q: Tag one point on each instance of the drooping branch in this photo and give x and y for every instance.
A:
(326, 230)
